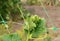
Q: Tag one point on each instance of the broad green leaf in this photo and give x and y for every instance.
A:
(11, 37)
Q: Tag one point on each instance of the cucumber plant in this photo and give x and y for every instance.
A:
(34, 26)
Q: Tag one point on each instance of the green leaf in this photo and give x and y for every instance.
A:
(11, 37)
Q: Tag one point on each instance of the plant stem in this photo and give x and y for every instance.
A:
(28, 35)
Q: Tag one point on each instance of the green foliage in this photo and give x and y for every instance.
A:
(33, 2)
(11, 9)
(11, 37)
(45, 2)
(8, 7)
(35, 26)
